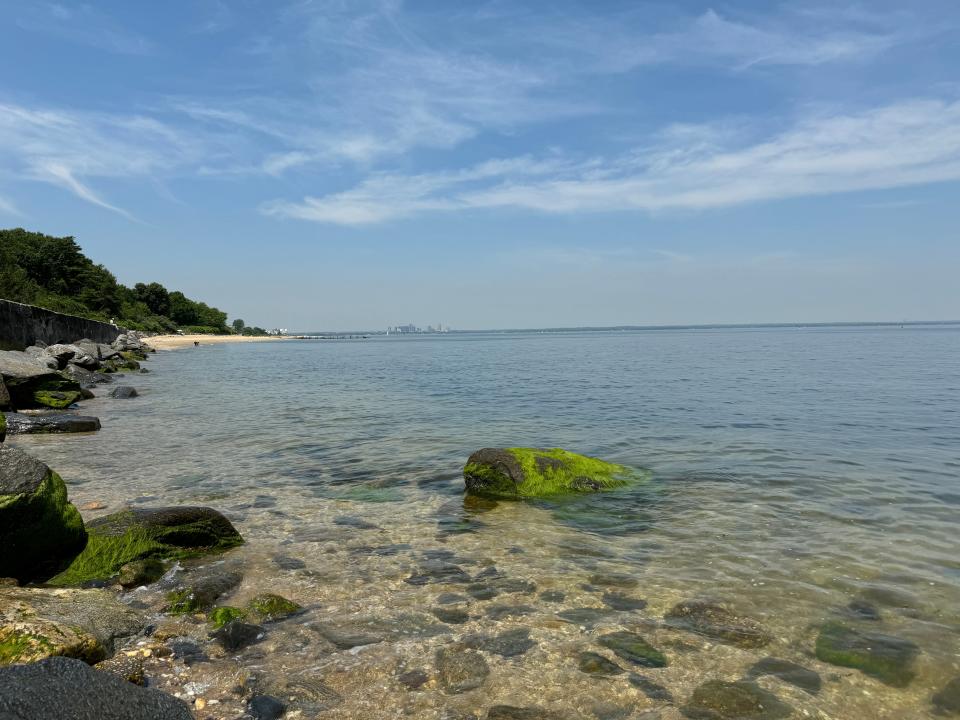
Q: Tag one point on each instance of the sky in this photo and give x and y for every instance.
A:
(351, 165)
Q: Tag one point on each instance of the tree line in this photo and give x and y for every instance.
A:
(53, 273)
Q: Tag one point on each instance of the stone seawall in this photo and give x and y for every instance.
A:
(25, 325)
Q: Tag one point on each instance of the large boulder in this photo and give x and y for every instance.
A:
(37, 623)
(19, 424)
(68, 689)
(135, 534)
(529, 472)
(40, 531)
(32, 384)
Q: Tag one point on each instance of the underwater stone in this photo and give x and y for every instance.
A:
(552, 596)
(460, 669)
(583, 616)
(887, 658)
(510, 712)
(623, 602)
(789, 672)
(595, 664)
(452, 616)
(236, 635)
(947, 701)
(653, 690)
(718, 700)
(714, 621)
(530, 472)
(269, 607)
(413, 679)
(507, 644)
(265, 707)
(141, 572)
(634, 648)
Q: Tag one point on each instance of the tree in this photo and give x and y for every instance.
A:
(154, 296)
(238, 326)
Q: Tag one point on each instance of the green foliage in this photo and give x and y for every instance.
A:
(53, 273)
(238, 326)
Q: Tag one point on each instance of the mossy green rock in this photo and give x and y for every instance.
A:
(713, 620)
(3, 427)
(267, 607)
(141, 572)
(220, 616)
(744, 700)
(888, 659)
(530, 473)
(634, 648)
(40, 531)
(137, 534)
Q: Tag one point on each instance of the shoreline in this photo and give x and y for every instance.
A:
(177, 342)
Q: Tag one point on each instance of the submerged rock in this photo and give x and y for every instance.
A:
(529, 472)
(715, 621)
(135, 534)
(236, 635)
(220, 616)
(141, 572)
(451, 616)
(718, 700)
(413, 679)
(460, 669)
(511, 712)
(303, 694)
(40, 531)
(634, 648)
(199, 592)
(49, 688)
(653, 690)
(947, 701)
(507, 644)
(37, 623)
(438, 571)
(620, 602)
(797, 675)
(886, 658)
(123, 392)
(595, 664)
(268, 607)
(20, 424)
(265, 707)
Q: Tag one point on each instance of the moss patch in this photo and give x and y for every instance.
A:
(268, 606)
(530, 472)
(3, 426)
(38, 640)
(222, 615)
(166, 533)
(634, 648)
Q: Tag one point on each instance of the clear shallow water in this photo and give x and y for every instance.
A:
(793, 470)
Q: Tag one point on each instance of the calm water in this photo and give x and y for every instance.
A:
(793, 471)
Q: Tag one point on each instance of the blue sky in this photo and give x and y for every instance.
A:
(337, 165)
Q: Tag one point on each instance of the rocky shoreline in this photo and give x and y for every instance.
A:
(144, 613)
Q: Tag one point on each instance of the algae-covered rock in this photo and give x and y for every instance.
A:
(947, 701)
(136, 534)
(200, 590)
(634, 648)
(220, 616)
(141, 572)
(460, 669)
(887, 658)
(268, 607)
(37, 623)
(529, 472)
(713, 620)
(3, 427)
(718, 700)
(40, 531)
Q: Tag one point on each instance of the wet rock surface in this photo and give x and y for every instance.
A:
(718, 700)
(715, 621)
(53, 687)
(947, 700)
(506, 644)
(595, 664)
(123, 392)
(236, 635)
(511, 712)
(21, 424)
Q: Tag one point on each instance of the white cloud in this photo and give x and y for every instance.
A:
(897, 145)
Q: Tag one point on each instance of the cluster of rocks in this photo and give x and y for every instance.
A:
(40, 382)
(60, 610)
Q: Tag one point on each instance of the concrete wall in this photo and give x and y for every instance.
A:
(25, 325)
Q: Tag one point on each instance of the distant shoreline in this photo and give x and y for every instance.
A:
(177, 342)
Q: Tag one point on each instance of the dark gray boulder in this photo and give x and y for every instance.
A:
(123, 392)
(19, 424)
(66, 689)
(87, 378)
(39, 530)
(32, 384)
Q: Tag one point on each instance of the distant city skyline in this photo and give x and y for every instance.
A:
(343, 165)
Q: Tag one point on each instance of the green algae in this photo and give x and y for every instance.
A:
(268, 606)
(118, 539)
(886, 658)
(3, 426)
(56, 399)
(184, 602)
(531, 472)
(220, 616)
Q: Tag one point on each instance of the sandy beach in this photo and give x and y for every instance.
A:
(175, 342)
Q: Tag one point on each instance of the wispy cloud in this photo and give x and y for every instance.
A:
(897, 145)
(68, 149)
